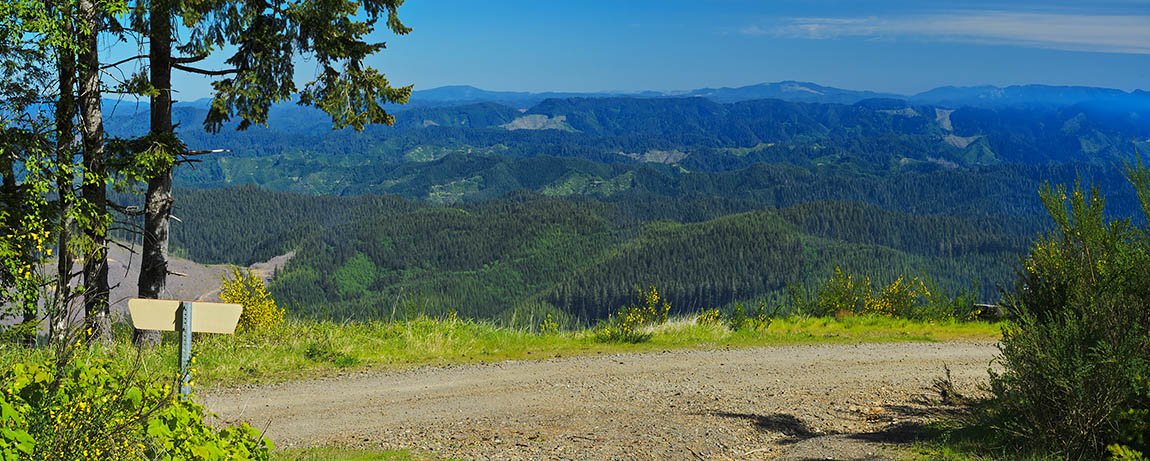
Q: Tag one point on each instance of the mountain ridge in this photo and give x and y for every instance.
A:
(947, 96)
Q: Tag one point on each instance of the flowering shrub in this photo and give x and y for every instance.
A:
(912, 298)
(100, 411)
(896, 300)
(709, 317)
(841, 293)
(260, 310)
(549, 326)
(1076, 354)
(626, 325)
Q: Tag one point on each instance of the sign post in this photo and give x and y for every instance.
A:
(174, 315)
(185, 348)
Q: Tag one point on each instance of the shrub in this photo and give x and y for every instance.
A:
(841, 293)
(757, 319)
(549, 326)
(899, 299)
(736, 316)
(937, 304)
(1134, 425)
(708, 317)
(626, 325)
(1075, 355)
(260, 310)
(55, 411)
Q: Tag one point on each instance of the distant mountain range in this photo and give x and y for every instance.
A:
(986, 96)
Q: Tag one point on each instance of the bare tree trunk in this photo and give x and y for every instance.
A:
(97, 316)
(158, 205)
(65, 111)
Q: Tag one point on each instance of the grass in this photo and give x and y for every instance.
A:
(955, 440)
(299, 349)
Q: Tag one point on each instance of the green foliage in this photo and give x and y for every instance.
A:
(758, 319)
(323, 352)
(709, 317)
(549, 326)
(582, 257)
(1134, 424)
(104, 410)
(247, 289)
(178, 432)
(1124, 453)
(333, 33)
(844, 294)
(355, 276)
(626, 326)
(1075, 357)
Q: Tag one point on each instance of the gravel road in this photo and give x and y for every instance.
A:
(803, 402)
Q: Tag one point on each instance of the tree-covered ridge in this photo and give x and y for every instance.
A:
(713, 136)
(525, 253)
(246, 225)
(666, 192)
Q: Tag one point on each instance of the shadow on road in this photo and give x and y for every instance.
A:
(906, 424)
(794, 428)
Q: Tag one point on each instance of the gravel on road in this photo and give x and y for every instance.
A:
(802, 402)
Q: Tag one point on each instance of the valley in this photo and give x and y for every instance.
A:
(636, 231)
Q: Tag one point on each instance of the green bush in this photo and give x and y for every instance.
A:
(100, 410)
(905, 298)
(841, 293)
(1076, 353)
(708, 317)
(1134, 427)
(626, 325)
(247, 289)
(757, 319)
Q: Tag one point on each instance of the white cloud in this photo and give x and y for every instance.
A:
(1073, 32)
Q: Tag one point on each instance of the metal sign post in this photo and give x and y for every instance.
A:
(173, 315)
(185, 348)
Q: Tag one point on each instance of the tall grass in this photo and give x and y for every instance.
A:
(300, 349)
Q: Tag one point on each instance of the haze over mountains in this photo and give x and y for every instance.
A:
(949, 96)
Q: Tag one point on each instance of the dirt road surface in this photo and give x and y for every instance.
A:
(804, 402)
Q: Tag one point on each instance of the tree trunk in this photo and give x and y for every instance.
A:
(65, 111)
(97, 317)
(158, 205)
(8, 173)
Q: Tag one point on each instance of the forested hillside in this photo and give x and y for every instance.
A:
(298, 151)
(568, 205)
(528, 254)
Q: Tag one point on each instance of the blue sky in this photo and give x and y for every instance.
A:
(891, 45)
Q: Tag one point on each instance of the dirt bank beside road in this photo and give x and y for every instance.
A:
(843, 402)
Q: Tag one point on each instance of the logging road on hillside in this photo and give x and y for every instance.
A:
(799, 402)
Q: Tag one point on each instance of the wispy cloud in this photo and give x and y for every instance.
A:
(1072, 32)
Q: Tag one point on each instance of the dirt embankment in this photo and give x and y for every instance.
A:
(841, 402)
(190, 280)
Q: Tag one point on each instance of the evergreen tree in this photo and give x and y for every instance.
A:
(268, 37)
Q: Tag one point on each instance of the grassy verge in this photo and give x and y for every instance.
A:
(954, 440)
(304, 349)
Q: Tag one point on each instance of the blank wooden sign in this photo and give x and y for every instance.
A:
(163, 315)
